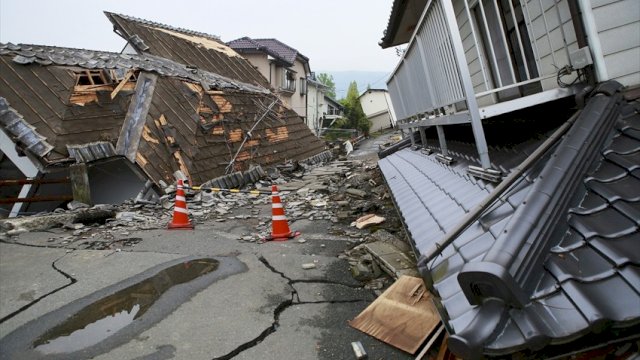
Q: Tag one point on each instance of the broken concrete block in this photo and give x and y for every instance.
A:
(357, 193)
(35, 223)
(318, 203)
(74, 205)
(73, 226)
(358, 350)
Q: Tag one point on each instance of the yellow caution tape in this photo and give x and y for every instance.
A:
(252, 192)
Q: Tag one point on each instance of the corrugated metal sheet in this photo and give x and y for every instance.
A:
(577, 215)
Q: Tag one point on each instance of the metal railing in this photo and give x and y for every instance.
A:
(466, 51)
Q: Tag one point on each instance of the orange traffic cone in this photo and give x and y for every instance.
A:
(180, 212)
(279, 226)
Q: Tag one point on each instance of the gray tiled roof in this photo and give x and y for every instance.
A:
(540, 265)
(21, 130)
(92, 59)
(164, 26)
(273, 47)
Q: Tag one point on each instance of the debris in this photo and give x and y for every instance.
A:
(73, 226)
(302, 241)
(391, 259)
(368, 220)
(357, 193)
(318, 203)
(75, 205)
(358, 350)
(433, 338)
(348, 147)
(308, 266)
(403, 316)
(365, 268)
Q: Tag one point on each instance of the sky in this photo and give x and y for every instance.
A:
(336, 35)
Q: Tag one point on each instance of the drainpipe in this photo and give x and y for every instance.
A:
(593, 40)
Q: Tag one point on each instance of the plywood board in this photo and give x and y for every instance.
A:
(403, 316)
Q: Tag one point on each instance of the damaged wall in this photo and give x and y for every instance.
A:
(199, 132)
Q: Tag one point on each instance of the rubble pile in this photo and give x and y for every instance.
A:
(347, 197)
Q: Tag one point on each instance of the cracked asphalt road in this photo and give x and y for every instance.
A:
(274, 310)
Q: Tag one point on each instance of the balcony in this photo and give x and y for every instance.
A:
(470, 60)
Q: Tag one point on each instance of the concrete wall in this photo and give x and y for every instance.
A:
(263, 65)
(380, 122)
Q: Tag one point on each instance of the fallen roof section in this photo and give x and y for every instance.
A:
(195, 49)
(537, 268)
(160, 114)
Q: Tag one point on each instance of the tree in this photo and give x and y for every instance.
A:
(356, 119)
(327, 80)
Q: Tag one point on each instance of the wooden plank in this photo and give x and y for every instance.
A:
(124, 81)
(398, 318)
(427, 347)
(129, 138)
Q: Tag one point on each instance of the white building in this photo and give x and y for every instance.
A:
(377, 106)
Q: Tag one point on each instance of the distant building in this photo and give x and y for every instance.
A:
(286, 69)
(316, 92)
(331, 111)
(376, 105)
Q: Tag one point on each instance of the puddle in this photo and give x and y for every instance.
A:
(103, 318)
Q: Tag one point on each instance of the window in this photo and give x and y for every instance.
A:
(303, 86)
(288, 80)
(505, 42)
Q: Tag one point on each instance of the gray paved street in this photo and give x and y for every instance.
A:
(271, 308)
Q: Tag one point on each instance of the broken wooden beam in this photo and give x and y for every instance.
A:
(122, 83)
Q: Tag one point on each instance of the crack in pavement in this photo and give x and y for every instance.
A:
(294, 301)
(72, 281)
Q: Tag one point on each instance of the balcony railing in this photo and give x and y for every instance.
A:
(467, 54)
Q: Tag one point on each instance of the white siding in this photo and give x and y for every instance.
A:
(548, 45)
(618, 26)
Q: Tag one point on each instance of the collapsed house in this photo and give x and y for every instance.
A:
(518, 179)
(111, 122)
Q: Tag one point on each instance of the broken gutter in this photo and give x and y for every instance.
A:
(437, 248)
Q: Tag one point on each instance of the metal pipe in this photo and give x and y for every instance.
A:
(465, 78)
(540, 78)
(504, 41)
(494, 63)
(520, 44)
(233, 160)
(33, 181)
(564, 36)
(476, 45)
(472, 216)
(442, 140)
(594, 40)
(36, 199)
(532, 35)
